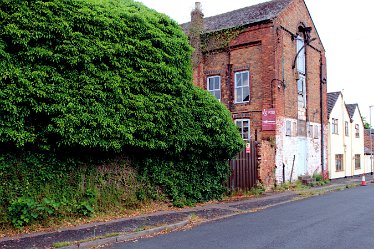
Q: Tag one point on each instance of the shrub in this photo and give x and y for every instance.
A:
(104, 78)
(59, 187)
(23, 211)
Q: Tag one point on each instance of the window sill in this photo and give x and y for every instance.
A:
(242, 103)
(339, 171)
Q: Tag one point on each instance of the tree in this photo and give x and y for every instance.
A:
(366, 124)
(111, 76)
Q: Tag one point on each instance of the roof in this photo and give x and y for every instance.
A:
(351, 108)
(244, 16)
(331, 100)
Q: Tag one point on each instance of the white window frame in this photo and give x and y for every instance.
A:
(335, 126)
(346, 128)
(242, 87)
(240, 124)
(339, 163)
(212, 89)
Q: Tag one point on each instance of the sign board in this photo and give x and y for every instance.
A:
(248, 148)
(268, 120)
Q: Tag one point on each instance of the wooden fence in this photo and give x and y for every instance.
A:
(244, 173)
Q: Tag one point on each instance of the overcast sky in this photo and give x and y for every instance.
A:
(345, 28)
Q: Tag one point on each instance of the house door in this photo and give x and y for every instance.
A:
(301, 160)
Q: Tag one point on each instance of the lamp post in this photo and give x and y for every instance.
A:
(371, 143)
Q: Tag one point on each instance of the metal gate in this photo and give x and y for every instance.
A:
(244, 174)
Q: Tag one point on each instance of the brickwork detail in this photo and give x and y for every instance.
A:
(267, 50)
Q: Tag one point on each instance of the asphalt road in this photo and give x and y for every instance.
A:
(339, 220)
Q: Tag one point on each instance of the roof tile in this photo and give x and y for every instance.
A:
(242, 17)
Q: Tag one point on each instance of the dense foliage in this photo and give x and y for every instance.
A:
(39, 186)
(109, 76)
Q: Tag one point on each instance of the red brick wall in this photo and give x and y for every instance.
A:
(268, 50)
(367, 139)
(289, 20)
(266, 162)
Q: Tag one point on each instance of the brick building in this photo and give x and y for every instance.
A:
(369, 148)
(266, 59)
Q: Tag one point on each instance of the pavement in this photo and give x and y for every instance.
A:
(97, 234)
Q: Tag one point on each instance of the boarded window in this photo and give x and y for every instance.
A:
(288, 128)
(316, 131)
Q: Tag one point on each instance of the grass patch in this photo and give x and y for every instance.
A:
(294, 186)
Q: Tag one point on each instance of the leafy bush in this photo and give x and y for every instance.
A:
(104, 77)
(35, 187)
(23, 211)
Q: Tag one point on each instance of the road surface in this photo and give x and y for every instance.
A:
(339, 220)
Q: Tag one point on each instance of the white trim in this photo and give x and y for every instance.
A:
(242, 87)
(214, 90)
(239, 123)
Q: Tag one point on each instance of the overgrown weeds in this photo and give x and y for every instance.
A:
(61, 189)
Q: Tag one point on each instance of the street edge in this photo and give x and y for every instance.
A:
(129, 236)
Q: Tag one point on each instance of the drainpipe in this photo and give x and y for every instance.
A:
(321, 112)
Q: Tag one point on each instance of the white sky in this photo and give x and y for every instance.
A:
(345, 28)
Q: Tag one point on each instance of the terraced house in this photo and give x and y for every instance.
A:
(346, 138)
(266, 64)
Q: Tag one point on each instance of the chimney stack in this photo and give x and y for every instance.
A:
(196, 29)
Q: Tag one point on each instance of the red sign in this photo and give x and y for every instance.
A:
(268, 120)
(248, 148)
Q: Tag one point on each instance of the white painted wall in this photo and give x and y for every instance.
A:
(349, 145)
(358, 145)
(339, 143)
(291, 149)
(367, 163)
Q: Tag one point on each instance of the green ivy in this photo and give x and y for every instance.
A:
(90, 77)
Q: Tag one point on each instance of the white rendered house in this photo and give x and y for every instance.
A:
(346, 138)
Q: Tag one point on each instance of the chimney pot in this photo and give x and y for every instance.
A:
(198, 6)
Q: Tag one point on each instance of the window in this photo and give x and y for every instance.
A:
(300, 49)
(357, 128)
(243, 125)
(316, 131)
(339, 162)
(357, 161)
(288, 128)
(301, 90)
(310, 131)
(214, 86)
(300, 64)
(346, 129)
(334, 126)
(242, 87)
(294, 129)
